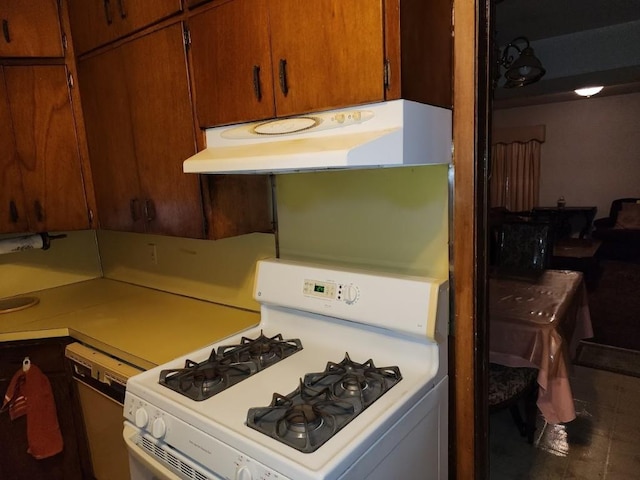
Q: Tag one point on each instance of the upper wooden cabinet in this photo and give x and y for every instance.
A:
(97, 22)
(256, 59)
(12, 203)
(139, 122)
(30, 29)
(42, 185)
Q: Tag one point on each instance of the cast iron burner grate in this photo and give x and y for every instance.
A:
(323, 403)
(228, 366)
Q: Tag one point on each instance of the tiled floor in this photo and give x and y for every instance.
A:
(603, 442)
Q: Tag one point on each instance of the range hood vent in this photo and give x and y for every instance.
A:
(388, 134)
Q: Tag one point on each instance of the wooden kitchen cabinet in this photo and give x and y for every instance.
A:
(139, 122)
(15, 463)
(255, 59)
(42, 180)
(30, 29)
(258, 59)
(98, 22)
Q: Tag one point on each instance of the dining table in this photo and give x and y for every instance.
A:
(537, 321)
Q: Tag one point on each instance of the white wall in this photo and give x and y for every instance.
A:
(591, 155)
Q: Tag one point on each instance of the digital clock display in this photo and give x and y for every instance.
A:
(318, 288)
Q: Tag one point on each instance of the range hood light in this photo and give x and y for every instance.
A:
(588, 91)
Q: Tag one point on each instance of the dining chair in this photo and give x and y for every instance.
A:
(511, 386)
(524, 246)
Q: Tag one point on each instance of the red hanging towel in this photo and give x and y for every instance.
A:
(30, 394)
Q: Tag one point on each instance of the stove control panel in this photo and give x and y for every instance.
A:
(362, 296)
(316, 288)
(347, 293)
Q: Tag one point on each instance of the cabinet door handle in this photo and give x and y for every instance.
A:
(107, 11)
(37, 207)
(149, 210)
(123, 10)
(256, 82)
(284, 87)
(5, 30)
(13, 211)
(134, 204)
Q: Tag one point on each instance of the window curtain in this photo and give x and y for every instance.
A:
(515, 168)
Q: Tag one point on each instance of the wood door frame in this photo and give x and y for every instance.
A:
(469, 343)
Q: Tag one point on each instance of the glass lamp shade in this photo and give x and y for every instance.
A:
(526, 69)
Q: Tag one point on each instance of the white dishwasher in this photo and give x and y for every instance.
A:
(101, 382)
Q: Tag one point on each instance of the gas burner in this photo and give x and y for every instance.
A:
(229, 366)
(363, 382)
(263, 350)
(304, 419)
(323, 403)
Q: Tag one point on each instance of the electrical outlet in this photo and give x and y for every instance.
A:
(153, 253)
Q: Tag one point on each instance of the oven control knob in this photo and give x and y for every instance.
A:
(350, 294)
(159, 428)
(243, 473)
(142, 417)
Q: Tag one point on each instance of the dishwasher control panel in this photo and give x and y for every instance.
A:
(94, 364)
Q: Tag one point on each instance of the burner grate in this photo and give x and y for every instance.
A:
(323, 403)
(264, 351)
(228, 366)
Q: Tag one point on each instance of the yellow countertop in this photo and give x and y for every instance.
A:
(139, 325)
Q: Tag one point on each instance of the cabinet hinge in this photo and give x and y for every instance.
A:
(65, 44)
(387, 74)
(187, 36)
(90, 217)
(70, 81)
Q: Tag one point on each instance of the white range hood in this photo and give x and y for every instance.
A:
(388, 134)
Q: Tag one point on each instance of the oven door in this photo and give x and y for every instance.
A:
(144, 465)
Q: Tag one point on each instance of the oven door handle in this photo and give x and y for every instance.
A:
(152, 468)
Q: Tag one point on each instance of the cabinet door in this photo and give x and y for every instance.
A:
(97, 22)
(30, 29)
(232, 63)
(105, 103)
(47, 147)
(139, 123)
(162, 119)
(12, 207)
(328, 56)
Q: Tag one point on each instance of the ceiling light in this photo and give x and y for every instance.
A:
(588, 91)
(523, 70)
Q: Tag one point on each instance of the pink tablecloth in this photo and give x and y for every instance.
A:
(538, 322)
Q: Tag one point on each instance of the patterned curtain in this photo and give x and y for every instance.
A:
(515, 175)
(515, 168)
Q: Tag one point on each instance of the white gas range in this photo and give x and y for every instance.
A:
(345, 377)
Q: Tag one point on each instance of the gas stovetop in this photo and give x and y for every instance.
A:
(306, 418)
(228, 365)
